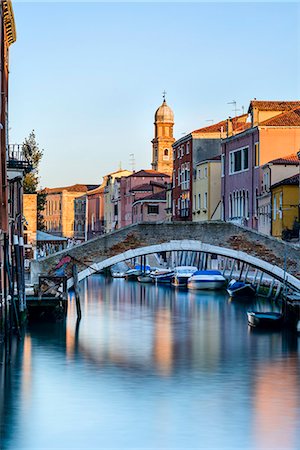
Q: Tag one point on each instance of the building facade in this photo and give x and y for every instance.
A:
(273, 172)
(244, 154)
(59, 213)
(151, 208)
(111, 199)
(134, 187)
(285, 206)
(206, 201)
(199, 145)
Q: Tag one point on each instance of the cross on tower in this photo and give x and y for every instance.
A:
(164, 95)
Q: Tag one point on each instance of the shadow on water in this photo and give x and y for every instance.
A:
(171, 360)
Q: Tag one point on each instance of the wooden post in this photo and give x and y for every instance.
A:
(76, 289)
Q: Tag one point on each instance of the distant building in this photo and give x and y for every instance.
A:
(111, 199)
(273, 132)
(30, 224)
(133, 188)
(59, 213)
(273, 172)
(162, 160)
(95, 211)
(285, 205)
(207, 190)
(80, 218)
(151, 208)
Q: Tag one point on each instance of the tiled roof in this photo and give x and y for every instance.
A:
(293, 180)
(73, 188)
(162, 195)
(148, 173)
(142, 187)
(273, 105)
(289, 118)
(238, 123)
(286, 160)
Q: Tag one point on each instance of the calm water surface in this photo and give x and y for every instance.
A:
(151, 368)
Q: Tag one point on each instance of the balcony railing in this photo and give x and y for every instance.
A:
(16, 158)
(184, 212)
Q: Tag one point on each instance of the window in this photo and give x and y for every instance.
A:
(274, 207)
(194, 205)
(205, 200)
(187, 148)
(199, 174)
(205, 172)
(182, 150)
(166, 154)
(280, 205)
(223, 165)
(153, 209)
(238, 160)
(199, 201)
(257, 155)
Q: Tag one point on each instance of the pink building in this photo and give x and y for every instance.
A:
(135, 187)
(151, 208)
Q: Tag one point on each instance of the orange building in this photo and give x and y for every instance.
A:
(59, 213)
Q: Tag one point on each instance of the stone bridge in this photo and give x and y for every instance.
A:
(220, 234)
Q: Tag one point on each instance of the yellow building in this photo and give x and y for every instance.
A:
(30, 217)
(206, 191)
(285, 205)
(162, 153)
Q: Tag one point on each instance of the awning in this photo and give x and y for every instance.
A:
(41, 236)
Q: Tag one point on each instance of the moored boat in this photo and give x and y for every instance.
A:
(206, 279)
(162, 275)
(265, 319)
(144, 278)
(240, 289)
(133, 274)
(182, 274)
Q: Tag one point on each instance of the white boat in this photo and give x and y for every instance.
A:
(162, 275)
(144, 278)
(119, 270)
(206, 279)
(182, 274)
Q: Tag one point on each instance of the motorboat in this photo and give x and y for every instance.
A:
(119, 270)
(240, 289)
(133, 274)
(144, 278)
(268, 319)
(162, 275)
(206, 279)
(182, 274)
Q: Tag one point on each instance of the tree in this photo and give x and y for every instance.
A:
(33, 154)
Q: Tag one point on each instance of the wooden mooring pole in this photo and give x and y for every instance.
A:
(76, 289)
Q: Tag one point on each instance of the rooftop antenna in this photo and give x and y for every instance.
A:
(120, 165)
(132, 161)
(235, 109)
(164, 95)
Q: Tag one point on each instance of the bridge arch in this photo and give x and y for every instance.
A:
(194, 246)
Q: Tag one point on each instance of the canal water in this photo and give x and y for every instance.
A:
(151, 367)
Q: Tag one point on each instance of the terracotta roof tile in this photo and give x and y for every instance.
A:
(238, 123)
(274, 105)
(73, 188)
(286, 160)
(142, 187)
(162, 195)
(148, 173)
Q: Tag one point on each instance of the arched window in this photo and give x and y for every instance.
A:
(166, 154)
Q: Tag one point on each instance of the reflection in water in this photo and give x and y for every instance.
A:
(151, 367)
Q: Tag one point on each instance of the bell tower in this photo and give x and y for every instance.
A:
(162, 152)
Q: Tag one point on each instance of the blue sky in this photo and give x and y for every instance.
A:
(88, 77)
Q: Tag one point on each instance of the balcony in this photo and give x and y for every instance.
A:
(16, 159)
